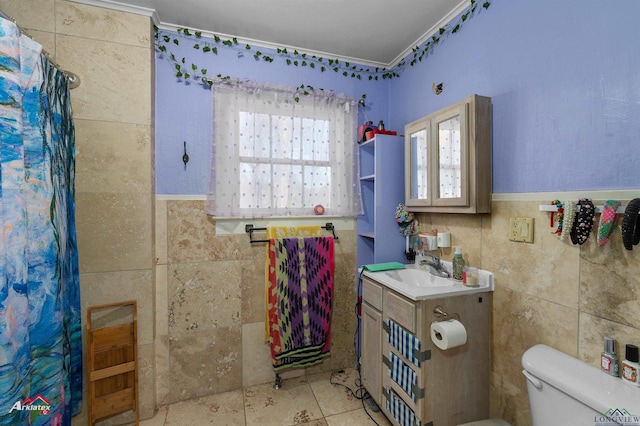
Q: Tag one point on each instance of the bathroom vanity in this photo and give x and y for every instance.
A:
(409, 377)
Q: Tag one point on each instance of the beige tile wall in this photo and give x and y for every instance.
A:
(210, 288)
(112, 53)
(550, 292)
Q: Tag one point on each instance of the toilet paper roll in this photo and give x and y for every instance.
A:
(448, 334)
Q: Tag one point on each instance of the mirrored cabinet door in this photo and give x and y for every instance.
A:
(450, 184)
(448, 159)
(417, 153)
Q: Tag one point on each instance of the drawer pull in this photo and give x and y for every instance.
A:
(422, 356)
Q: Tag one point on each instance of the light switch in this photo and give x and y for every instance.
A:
(521, 229)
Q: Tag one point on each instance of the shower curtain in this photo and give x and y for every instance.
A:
(40, 327)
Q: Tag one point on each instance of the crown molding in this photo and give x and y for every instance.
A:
(114, 5)
(430, 32)
(110, 4)
(267, 45)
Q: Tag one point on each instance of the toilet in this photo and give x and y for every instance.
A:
(566, 391)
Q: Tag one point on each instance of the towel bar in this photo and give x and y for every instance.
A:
(249, 229)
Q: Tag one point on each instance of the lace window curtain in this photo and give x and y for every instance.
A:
(273, 156)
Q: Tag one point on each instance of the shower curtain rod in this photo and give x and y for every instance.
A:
(73, 79)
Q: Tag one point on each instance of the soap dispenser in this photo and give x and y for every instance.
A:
(458, 264)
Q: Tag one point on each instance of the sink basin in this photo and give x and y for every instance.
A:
(419, 284)
(418, 278)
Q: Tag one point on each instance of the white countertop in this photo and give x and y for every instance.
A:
(429, 286)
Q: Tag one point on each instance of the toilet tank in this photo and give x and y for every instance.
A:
(566, 391)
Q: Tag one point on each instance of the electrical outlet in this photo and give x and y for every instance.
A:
(521, 229)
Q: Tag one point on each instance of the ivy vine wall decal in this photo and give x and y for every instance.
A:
(189, 70)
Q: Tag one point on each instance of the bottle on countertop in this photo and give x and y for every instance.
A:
(608, 358)
(380, 125)
(458, 264)
(630, 367)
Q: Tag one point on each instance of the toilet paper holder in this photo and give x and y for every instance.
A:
(442, 315)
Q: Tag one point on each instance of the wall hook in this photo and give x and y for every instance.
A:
(437, 88)
(185, 156)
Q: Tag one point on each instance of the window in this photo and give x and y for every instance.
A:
(273, 156)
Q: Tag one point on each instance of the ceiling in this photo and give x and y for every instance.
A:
(375, 32)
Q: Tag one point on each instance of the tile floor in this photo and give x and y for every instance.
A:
(312, 400)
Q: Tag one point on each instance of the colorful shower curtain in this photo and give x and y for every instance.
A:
(40, 328)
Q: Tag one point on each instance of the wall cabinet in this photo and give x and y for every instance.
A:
(448, 159)
(382, 185)
(413, 381)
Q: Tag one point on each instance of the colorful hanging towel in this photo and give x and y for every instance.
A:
(299, 300)
(282, 232)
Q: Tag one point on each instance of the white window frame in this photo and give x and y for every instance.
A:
(228, 175)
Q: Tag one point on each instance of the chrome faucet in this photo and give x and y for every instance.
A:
(435, 266)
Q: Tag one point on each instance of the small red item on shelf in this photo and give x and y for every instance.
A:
(384, 132)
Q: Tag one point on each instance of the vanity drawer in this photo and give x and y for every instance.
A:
(372, 293)
(400, 310)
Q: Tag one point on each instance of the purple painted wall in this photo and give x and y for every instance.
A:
(564, 77)
(183, 110)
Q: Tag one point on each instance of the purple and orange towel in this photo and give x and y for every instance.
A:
(282, 232)
(300, 294)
